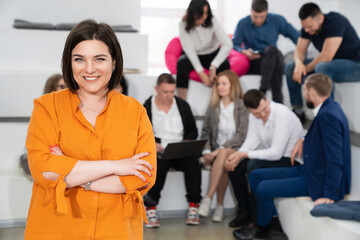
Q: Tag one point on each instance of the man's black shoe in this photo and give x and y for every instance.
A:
(240, 220)
(249, 232)
(276, 235)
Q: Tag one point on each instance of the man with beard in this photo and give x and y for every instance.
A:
(339, 52)
(325, 175)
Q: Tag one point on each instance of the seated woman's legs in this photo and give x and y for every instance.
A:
(219, 180)
(219, 177)
(184, 67)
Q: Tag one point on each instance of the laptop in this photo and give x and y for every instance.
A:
(189, 148)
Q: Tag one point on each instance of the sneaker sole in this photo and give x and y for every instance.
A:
(217, 220)
(152, 226)
(191, 223)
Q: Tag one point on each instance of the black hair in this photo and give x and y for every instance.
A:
(309, 10)
(253, 97)
(194, 11)
(259, 5)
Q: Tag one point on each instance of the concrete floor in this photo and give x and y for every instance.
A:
(171, 228)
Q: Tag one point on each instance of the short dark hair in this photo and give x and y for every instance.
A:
(52, 82)
(165, 78)
(321, 83)
(259, 5)
(196, 10)
(91, 30)
(309, 10)
(253, 97)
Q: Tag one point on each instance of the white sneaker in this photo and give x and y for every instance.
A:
(193, 216)
(205, 206)
(153, 221)
(218, 214)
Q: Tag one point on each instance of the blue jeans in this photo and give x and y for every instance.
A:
(339, 70)
(270, 183)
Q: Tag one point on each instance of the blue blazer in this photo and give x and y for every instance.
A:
(327, 156)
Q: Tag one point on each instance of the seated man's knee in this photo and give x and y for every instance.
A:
(271, 50)
(251, 166)
(289, 69)
(324, 67)
(264, 190)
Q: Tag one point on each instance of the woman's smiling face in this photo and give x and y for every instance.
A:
(92, 66)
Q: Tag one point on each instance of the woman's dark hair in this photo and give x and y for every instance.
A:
(309, 10)
(195, 11)
(91, 30)
(253, 97)
(52, 82)
(259, 5)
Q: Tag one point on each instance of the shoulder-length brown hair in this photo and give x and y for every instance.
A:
(194, 11)
(52, 82)
(91, 30)
(236, 91)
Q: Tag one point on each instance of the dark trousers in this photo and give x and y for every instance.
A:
(192, 175)
(267, 184)
(184, 67)
(271, 68)
(238, 178)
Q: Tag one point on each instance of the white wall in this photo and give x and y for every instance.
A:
(116, 12)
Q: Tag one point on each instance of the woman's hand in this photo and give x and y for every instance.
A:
(159, 148)
(208, 158)
(133, 166)
(212, 74)
(205, 78)
(56, 150)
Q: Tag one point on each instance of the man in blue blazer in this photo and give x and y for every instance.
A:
(326, 173)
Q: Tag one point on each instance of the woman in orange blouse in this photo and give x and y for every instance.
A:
(91, 149)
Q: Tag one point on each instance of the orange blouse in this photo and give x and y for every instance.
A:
(122, 129)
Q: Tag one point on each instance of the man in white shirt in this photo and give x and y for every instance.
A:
(172, 121)
(273, 131)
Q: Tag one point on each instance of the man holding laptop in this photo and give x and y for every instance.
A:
(172, 121)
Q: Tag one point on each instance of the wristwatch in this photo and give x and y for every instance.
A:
(87, 186)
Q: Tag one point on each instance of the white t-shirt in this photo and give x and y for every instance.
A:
(167, 126)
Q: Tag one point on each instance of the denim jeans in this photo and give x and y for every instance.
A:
(339, 70)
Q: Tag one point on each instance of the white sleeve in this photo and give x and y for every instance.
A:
(188, 47)
(283, 129)
(252, 139)
(225, 42)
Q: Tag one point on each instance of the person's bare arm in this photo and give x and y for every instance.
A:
(299, 57)
(330, 47)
